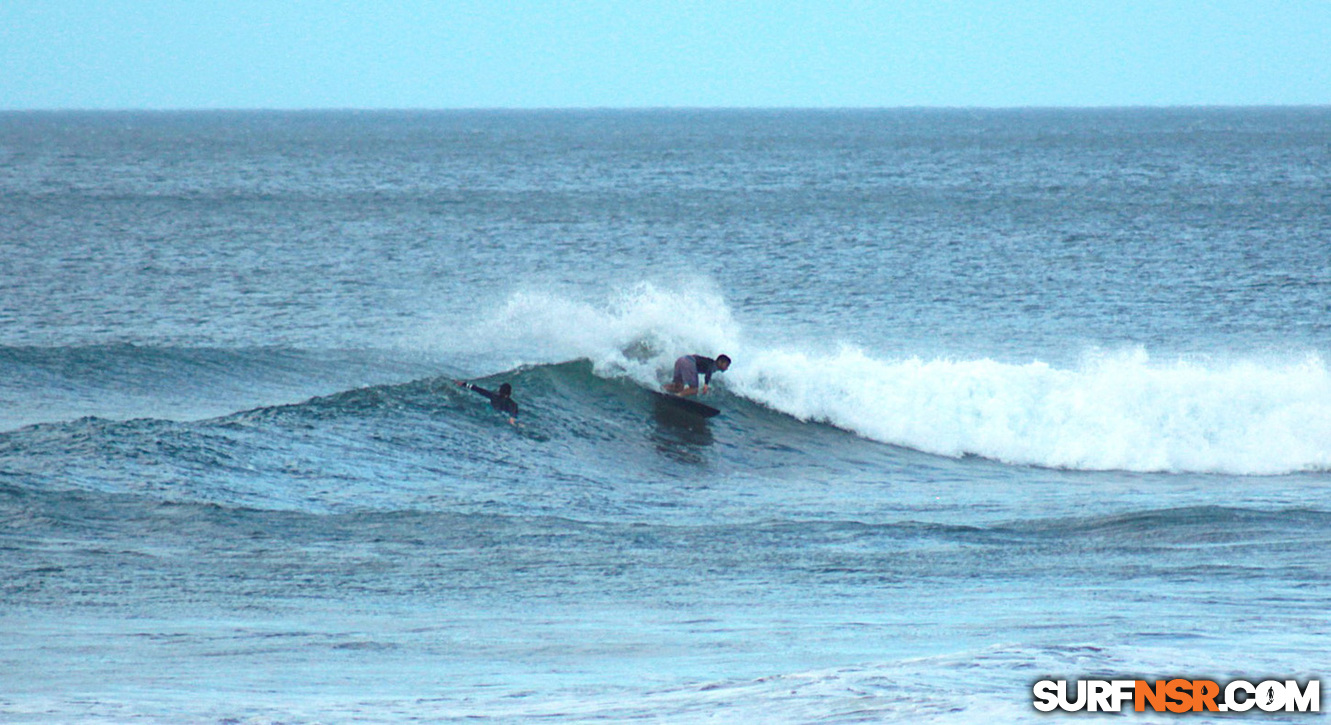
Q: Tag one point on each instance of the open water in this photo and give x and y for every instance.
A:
(1016, 394)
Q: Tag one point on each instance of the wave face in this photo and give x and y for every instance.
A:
(598, 445)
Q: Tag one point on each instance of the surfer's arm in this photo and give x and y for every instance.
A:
(707, 377)
(476, 389)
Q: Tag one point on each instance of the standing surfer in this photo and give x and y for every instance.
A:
(687, 368)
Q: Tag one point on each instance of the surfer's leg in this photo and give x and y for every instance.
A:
(686, 375)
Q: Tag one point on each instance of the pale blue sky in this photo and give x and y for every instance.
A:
(160, 54)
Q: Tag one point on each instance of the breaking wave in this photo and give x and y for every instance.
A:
(1113, 411)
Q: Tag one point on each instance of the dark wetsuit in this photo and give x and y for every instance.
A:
(497, 401)
(687, 368)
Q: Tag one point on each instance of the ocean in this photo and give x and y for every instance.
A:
(1016, 395)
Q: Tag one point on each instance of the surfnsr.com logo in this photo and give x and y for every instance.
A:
(1177, 696)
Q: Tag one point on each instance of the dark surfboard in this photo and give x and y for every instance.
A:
(687, 405)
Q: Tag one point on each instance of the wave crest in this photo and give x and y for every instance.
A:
(1114, 412)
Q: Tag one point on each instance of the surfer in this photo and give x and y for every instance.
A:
(501, 401)
(687, 368)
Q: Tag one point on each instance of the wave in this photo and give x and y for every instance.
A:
(1124, 411)
(46, 385)
(586, 442)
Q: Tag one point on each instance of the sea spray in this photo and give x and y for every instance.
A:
(635, 331)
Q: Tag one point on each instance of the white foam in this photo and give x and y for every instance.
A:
(1113, 412)
(634, 332)
(1121, 411)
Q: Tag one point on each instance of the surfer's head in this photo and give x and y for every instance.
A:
(723, 362)
(505, 390)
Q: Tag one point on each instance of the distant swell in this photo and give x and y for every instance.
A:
(176, 383)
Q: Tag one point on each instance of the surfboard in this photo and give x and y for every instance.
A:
(686, 404)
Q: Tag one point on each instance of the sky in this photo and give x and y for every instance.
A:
(419, 54)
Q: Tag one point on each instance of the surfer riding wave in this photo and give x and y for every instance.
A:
(687, 368)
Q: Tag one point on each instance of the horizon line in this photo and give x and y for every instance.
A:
(687, 108)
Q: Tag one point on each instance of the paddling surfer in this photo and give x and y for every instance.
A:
(501, 401)
(687, 368)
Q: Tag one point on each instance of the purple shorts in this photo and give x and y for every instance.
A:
(686, 372)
